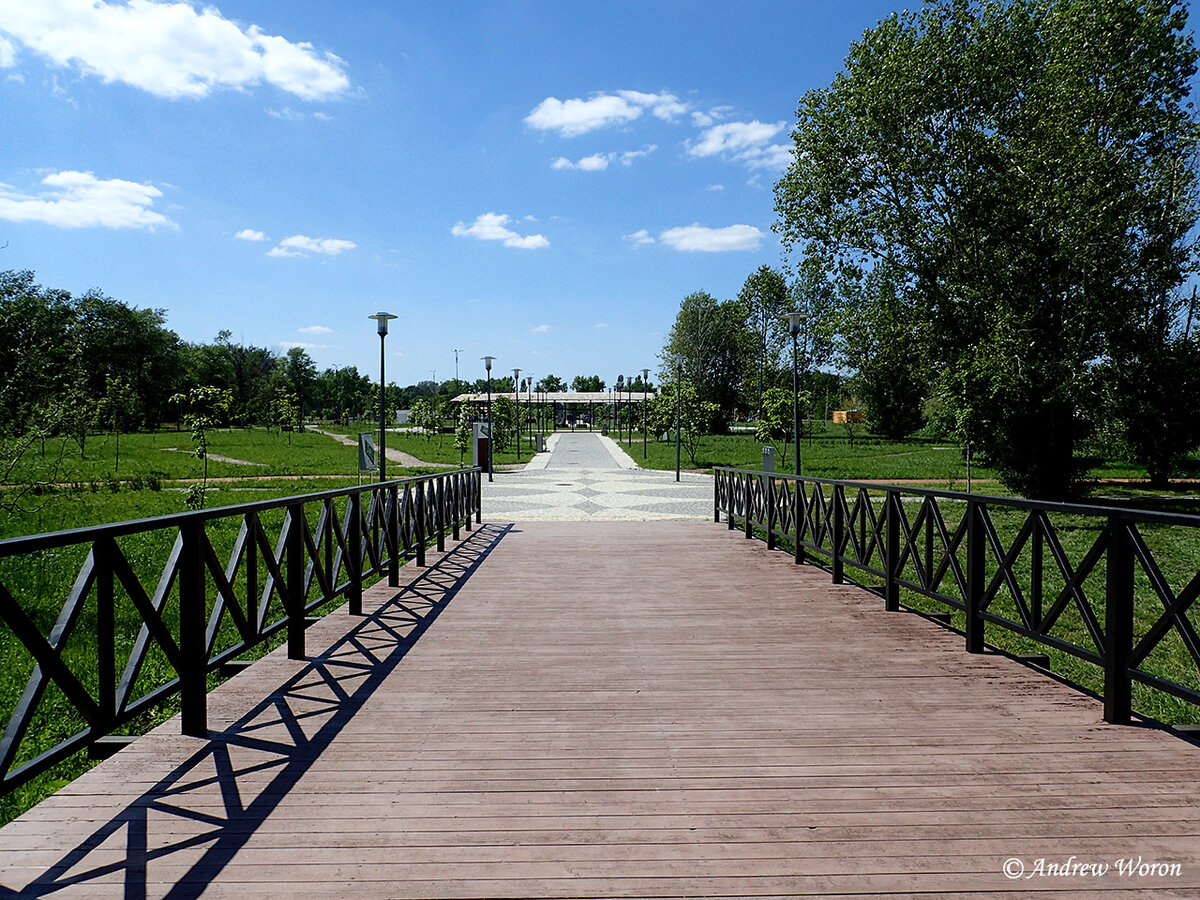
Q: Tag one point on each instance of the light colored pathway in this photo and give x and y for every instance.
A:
(585, 475)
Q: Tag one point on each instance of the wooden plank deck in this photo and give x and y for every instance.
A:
(624, 709)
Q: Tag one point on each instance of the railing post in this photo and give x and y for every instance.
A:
(730, 499)
(106, 666)
(295, 581)
(1118, 624)
(193, 637)
(393, 527)
(800, 517)
(253, 597)
(929, 543)
(477, 484)
(749, 505)
(839, 532)
(419, 515)
(891, 590)
(976, 558)
(455, 503)
(770, 500)
(717, 476)
(439, 490)
(354, 564)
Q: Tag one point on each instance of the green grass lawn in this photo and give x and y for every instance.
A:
(827, 454)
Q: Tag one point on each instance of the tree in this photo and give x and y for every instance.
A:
(285, 411)
(300, 373)
(551, 384)
(695, 416)
(117, 410)
(587, 384)
(202, 409)
(712, 338)
(1152, 394)
(764, 299)
(427, 414)
(879, 328)
(463, 432)
(776, 420)
(504, 423)
(1027, 167)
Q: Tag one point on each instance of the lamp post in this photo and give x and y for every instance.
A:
(517, 398)
(382, 319)
(678, 392)
(645, 388)
(795, 321)
(629, 431)
(529, 406)
(617, 405)
(456, 352)
(487, 364)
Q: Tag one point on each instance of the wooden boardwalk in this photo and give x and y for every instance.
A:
(624, 709)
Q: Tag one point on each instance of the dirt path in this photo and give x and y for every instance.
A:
(399, 456)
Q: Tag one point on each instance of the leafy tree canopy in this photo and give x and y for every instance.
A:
(1027, 167)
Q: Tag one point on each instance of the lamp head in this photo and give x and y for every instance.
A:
(382, 320)
(487, 362)
(795, 322)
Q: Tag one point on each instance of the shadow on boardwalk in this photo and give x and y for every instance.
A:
(258, 759)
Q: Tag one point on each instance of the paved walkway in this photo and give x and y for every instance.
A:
(589, 712)
(585, 475)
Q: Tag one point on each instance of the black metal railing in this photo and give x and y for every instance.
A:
(224, 581)
(1110, 587)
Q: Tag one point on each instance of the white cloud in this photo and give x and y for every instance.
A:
(249, 234)
(170, 49)
(492, 226)
(539, 329)
(597, 162)
(715, 187)
(704, 119)
(639, 237)
(600, 325)
(314, 329)
(629, 156)
(288, 345)
(712, 240)
(571, 118)
(8, 54)
(745, 142)
(81, 200)
(301, 245)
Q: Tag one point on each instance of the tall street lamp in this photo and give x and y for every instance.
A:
(645, 388)
(678, 391)
(795, 321)
(629, 410)
(517, 404)
(617, 405)
(382, 319)
(529, 406)
(487, 363)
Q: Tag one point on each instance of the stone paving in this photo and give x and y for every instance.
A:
(586, 475)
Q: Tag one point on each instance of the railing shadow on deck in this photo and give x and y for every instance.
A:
(284, 734)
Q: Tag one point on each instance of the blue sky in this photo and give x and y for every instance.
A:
(539, 181)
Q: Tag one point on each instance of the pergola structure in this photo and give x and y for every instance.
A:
(573, 409)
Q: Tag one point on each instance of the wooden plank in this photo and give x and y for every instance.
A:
(623, 709)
